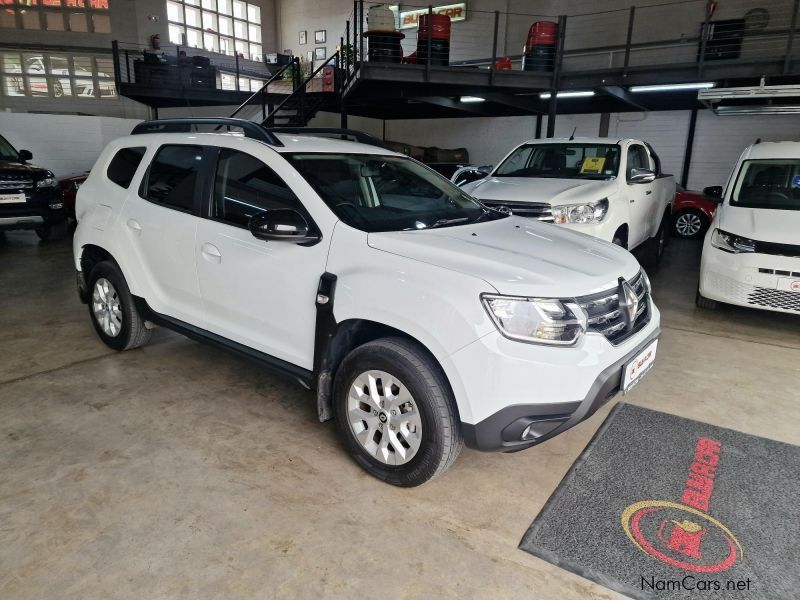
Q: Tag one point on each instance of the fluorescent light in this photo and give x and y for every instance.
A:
(586, 94)
(777, 109)
(469, 99)
(672, 87)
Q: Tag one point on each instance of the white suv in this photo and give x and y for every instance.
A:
(419, 317)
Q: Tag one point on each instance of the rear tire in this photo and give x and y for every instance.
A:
(395, 412)
(111, 308)
(45, 232)
(703, 302)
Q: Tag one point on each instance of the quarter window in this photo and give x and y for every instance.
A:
(172, 177)
(244, 186)
(123, 166)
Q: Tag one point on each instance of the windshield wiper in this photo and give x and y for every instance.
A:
(443, 222)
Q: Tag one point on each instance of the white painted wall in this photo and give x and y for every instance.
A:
(665, 131)
(71, 144)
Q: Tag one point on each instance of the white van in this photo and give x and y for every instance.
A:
(751, 253)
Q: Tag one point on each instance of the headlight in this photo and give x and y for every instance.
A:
(46, 182)
(728, 242)
(646, 281)
(536, 320)
(593, 212)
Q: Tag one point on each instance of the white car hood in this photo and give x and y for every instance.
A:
(762, 224)
(541, 189)
(517, 256)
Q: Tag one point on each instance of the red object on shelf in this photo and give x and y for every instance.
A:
(504, 64)
(542, 33)
(328, 82)
(411, 59)
(440, 29)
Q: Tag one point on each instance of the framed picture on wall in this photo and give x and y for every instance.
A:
(320, 54)
(310, 56)
(320, 36)
(303, 38)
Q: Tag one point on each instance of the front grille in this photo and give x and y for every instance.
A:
(777, 249)
(774, 299)
(533, 210)
(606, 317)
(8, 183)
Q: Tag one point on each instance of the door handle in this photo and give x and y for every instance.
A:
(211, 253)
(648, 192)
(134, 225)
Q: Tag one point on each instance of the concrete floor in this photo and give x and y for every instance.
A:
(180, 471)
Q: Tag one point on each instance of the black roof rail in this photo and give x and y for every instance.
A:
(184, 125)
(360, 136)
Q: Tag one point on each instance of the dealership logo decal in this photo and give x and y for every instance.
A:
(683, 534)
(796, 286)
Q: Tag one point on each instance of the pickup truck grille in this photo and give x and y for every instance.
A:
(13, 183)
(534, 210)
(606, 317)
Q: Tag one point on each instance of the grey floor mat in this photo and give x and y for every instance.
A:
(658, 506)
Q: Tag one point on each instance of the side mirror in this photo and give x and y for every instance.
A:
(282, 225)
(713, 193)
(641, 176)
(25, 155)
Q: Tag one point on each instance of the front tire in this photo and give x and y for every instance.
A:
(689, 224)
(703, 302)
(395, 412)
(111, 308)
(45, 232)
(656, 245)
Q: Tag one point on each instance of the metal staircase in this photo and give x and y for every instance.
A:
(288, 99)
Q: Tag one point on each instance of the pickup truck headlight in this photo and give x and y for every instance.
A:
(536, 320)
(46, 182)
(594, 212)
(729, 242)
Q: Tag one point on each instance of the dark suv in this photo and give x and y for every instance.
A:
(29, 195)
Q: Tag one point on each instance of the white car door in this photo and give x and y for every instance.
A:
(159, 229)
(258, 293)
(640, 197)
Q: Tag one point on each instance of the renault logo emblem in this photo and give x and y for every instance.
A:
(628, 303)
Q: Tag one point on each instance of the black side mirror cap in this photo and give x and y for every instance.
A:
(282, 225)
(714, 193)
(25, 155)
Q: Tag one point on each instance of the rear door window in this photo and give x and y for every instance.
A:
(123, 166)
(172, 178)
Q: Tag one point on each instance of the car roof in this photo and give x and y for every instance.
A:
(772, 150)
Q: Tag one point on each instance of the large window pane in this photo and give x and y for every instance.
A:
(59, 64)
(192, 2)
(173, 175)
(211, 42)
(239, 9)
(175, 12)
(226, 45)
(61, 86)
(254, 13)
(12, 63)
(241, 48)
(224, 6)
(83, 66)
(101, 23)
(192, 17)
(210, 21)
(13, 86)
(254, 33)
(255, 52)
(227, 81)
(176, 34)
(30, 19)
(77, 22)
(209, 4)
(84, 87)
(8, 20)
(225, 26)
(194, 38)
(54, 21)
(34, 64)
(240, 29)
(38, 86)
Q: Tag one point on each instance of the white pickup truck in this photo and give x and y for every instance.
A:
(606, 187)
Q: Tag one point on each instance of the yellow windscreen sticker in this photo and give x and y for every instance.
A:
(593, 164)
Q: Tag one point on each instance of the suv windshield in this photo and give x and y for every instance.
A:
(768, 183)
(7, 151)
(386, 193)
(567, 161)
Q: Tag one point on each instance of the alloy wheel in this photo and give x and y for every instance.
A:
(106, 307)
(688, 224)
(384, 417)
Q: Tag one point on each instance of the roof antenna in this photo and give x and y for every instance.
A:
(572, 137)
(758, 140)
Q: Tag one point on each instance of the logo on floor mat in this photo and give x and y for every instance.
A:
(683, 534)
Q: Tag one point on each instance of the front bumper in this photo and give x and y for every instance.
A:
(35, 212)
(763, 281)
(549, 389)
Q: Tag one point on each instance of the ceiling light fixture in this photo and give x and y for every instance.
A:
(757, 110)
(672, 87)
(581, 94)
(472, 99)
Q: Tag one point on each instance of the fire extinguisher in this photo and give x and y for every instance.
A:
(155, 41)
